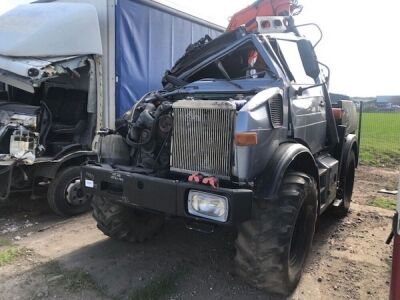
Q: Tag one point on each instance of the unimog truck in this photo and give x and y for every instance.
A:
(243, 134)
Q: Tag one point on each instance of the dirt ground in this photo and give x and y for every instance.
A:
(46, 257)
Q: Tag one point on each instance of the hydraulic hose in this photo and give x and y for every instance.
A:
(9, 169)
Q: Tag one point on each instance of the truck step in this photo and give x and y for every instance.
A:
(200, 227)
(337, 202)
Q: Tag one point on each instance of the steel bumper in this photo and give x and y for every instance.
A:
(157, 194)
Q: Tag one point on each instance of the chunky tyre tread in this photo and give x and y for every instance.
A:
(123, 223)
(56, 198)
(262, 242)
(52, 204)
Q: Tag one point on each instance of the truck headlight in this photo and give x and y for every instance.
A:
(210, 206)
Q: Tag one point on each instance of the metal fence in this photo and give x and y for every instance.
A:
(380, 135)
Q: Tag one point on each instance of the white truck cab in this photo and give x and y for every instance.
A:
(69, 68)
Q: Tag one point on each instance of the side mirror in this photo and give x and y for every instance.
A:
(309, 58)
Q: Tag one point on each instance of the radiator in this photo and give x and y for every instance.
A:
(203, 137)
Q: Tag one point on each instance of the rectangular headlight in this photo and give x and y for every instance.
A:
(210, 206)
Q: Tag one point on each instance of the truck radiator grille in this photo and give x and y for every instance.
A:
(276, 111)
(203, 137)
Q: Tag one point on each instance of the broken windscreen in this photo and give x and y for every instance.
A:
(243, 62)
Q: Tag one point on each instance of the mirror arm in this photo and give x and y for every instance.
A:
(301, 90)
(329, 71)
(319, 29)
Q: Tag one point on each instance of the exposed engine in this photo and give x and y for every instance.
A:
(160, 135)
(19, 131)
(149, 136)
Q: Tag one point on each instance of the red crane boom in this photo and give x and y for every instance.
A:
(265, 8)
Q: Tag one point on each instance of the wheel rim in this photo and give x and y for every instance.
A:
(74, 193)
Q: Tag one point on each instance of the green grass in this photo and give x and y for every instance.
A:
(159, 288)
(5, 242)
(380, 139)
(73, 280)
(9, 255)
(79, 280)
(385, 203)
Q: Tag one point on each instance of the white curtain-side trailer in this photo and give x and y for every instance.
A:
(69, 68)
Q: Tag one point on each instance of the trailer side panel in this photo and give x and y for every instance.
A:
(149, 40)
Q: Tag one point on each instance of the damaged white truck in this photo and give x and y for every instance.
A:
(63, 76)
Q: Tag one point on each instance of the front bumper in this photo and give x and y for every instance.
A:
(161, 195)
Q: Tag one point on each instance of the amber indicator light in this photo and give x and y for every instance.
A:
(246, 139)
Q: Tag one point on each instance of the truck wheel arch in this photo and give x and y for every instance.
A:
(50, 170)
(350, 143)
(288, 156)
(74, 161)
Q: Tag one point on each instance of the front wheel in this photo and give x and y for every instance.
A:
(271, 249)
(125, 223)
(65, 194)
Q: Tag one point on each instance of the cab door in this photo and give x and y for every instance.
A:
(308, 110)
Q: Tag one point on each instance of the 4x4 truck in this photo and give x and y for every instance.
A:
(243, 134)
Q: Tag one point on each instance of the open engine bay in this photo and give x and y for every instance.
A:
(20, 131)
(44, 118)
(164, 135)
(49, 119)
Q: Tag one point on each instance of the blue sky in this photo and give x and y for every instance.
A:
(360, 42)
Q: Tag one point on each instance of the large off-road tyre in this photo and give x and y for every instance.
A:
(345, 187)
(65, 194)
(125, 223)
(271, 248)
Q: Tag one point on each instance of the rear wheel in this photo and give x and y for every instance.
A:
(124, 223)
(271, 249)
(346, 185)
(65, 194)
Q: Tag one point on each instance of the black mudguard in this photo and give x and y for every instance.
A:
(286, 156)
(51, 168)
(350, 143)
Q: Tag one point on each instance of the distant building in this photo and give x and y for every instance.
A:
(388, 99)
(387, 102)
(337, 97)
(369, 103)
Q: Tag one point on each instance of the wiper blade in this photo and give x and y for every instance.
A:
(177, 82)
(223, 80)
(226, 75)
(223, 70)
(252, 75)
(272, 74)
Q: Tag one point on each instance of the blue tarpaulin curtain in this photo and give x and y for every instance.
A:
(148, 42)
